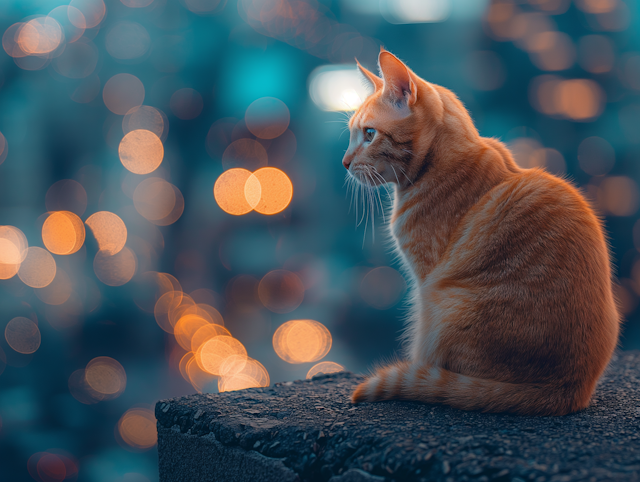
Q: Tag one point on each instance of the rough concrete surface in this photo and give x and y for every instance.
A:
(308, 431)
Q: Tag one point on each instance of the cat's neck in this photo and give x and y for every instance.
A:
(428, 208)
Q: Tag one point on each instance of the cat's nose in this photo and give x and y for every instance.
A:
(346, 161)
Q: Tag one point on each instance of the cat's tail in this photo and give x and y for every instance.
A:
(431, 384)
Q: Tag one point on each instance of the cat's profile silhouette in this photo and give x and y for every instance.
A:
(512, 304)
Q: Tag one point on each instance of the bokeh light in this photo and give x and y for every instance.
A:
(580, 99)
(78, 61)
(242, 374)
(53, 465)
(229, 191)
(337, 88)
(63, 232)
(23, 335)
(115, 269)
(245, 153)
(38, 268)
(186, 327)
(109, 231)
(39, 36)
(205, 333)
(281, 291)
(137, 427)
(154, 198)
(267, 118)
(176, 211)
(275, 193)
(619, 196)
(13, 250)
(141, 151)
(93, 11)
(106, 376)
(147, 118)
(50, 467)
(58, 291)
(216, 350)
(123, 92)
(324, 368)
(72, 30)
(166, 304)
(302, 341)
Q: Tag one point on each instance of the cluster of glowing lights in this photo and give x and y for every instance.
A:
(302, 341)
(337, 88)
(213, 356)
(23, 335)
(57, 38)
(137, 428)
(267, 191)
(580, 100)
(536, 32)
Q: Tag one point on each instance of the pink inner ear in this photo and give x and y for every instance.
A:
(397, 80)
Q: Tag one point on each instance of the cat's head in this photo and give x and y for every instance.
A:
(393, 131)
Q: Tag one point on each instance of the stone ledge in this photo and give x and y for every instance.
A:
(308, 431)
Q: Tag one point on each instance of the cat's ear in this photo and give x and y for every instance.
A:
(398, 84)
(371, 77)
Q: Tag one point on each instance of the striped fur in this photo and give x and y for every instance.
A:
(512, 305)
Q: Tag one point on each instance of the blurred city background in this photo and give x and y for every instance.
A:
(126, 277)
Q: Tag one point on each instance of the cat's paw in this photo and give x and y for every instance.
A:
(366, 391)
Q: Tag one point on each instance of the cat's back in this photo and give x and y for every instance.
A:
(533, 227)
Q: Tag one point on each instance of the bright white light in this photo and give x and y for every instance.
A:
(337, 87)
(415, 11)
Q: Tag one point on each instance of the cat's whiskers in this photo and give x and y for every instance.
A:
(395, 174)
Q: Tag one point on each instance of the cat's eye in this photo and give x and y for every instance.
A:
(369, 133)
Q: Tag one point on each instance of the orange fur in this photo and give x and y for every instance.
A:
(512, 306)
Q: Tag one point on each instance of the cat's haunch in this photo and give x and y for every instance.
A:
(512, 304)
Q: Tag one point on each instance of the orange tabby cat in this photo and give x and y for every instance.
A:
(512, 294)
